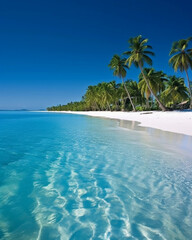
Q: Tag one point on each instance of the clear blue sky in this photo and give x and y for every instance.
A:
(52, 50)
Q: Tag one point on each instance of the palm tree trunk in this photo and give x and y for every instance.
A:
(189, 89)
(109, 106)
(97, 107)
(163, 108)
(134, 110)
(147, 103)
(122, 104)
(117, 105)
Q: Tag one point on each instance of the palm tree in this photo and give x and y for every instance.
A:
(91, 97)
(113, 91)
(134, 91)
(156, 82)
(182, 59)
(118, 65)
(138, 55)
(122, 95)
(176, 91)
(104, 91)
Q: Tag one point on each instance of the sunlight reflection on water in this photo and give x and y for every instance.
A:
(76, 177)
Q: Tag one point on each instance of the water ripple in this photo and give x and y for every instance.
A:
(84, 178)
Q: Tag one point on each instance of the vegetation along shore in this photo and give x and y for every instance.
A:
(154, 90)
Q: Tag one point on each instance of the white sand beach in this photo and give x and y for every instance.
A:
(176, 121)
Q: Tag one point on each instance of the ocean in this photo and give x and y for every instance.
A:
(65, 176)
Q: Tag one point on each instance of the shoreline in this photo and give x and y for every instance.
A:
(176, 121)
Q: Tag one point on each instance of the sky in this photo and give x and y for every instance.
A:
(51, 51)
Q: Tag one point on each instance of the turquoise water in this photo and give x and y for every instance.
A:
(72, 177)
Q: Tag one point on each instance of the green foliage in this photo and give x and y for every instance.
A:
(103, 97)
(135, 92)
(182, 57)
(139, 55)
(72, 106)
(139, 51)
(118, 66)
(140, 108)
(156, 80)
(175, 91)
(152, 86)
(112, 96)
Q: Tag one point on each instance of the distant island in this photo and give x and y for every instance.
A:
(22, 110)
(15, 110)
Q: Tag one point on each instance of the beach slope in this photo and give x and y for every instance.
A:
(176, 121)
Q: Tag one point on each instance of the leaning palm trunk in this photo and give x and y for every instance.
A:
(108, 106)
(96, 106)
(122, 104)
(147, 102)
(116, 105)
(134, 110)
(163, 108)
(190, 94)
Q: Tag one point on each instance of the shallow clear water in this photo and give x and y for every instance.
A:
(76, 177)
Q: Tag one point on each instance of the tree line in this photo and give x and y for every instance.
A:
(154, 90)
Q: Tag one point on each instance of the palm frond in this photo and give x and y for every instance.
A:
(148, 60)
(149, 52)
